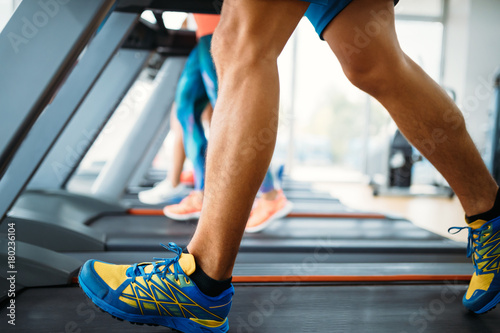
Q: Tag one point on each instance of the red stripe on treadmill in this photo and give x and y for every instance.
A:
(379, 278)
(145, 211)
(159, 212)
(340, 215)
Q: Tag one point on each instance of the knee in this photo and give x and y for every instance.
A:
(221, 45)
(375, 77)
(234, 47)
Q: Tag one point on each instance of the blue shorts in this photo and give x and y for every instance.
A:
(322, 12)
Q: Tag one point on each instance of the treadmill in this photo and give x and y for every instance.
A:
(279, 308)
(307, 202)
(321, 287)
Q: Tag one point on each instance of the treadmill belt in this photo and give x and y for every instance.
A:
(304, 201)
(297, 228)
(277, 309)
(143, 233)
(303, 264)
(291, 259)
(309, 195)
(291, 184)
(322, 207)
(299, 206)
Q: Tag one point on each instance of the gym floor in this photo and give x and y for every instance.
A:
(433, 214)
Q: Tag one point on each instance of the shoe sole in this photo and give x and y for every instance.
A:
(278, 215)
(171, 198)
(163, 202)
(490, 306)
(184, 325)
(182, 217)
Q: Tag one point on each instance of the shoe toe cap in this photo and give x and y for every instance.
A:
(90, 280)
(480, 300)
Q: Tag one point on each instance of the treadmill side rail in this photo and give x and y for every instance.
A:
(89, 120)
(33, 149)
(116, 175)
(38, 48)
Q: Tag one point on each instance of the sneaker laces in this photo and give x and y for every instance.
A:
(473, 242)
(161, 265)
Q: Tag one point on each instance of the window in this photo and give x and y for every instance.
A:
(336, 128)
(7, 8)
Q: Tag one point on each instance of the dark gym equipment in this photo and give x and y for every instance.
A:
(400, 171)
(398, 177)
(30, 93)
(402, 157)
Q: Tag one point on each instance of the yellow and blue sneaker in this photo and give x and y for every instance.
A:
(158, 293)
(483, 246)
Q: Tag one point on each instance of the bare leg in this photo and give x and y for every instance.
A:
(178, 150)
(267, 190)
(271, 195)
(206, 116)
(246, 45)
(422, 110)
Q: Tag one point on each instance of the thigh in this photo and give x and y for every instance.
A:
(364, 33)
(266, 23)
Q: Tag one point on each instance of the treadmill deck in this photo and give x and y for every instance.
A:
(276, 309)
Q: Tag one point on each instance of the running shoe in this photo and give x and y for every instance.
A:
(157, 293)
(189, 208)
(162, 192)
(483, 246)
(267, 211)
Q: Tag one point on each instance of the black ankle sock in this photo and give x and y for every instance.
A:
(206, 284)
(490, 214)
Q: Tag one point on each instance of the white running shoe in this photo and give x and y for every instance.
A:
(162, 193)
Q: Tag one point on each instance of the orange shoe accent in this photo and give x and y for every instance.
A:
(267, 211)
(189, 208)
(187, 177)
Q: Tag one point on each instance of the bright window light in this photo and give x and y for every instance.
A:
(148, 16)
(174, 20)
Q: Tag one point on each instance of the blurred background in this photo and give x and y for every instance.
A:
(330, 132)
